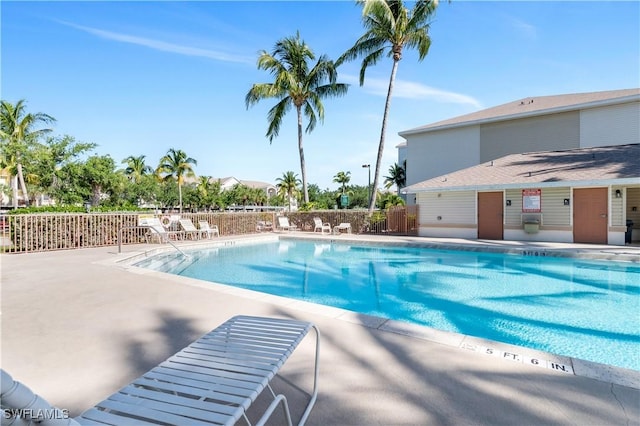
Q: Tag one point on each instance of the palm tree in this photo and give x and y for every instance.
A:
(342, 178)
(176, 165)
(389, 200)
(390, 27)
(17, 129)
(136, 168)
(397, 177)
(288, 185)
(295, 85)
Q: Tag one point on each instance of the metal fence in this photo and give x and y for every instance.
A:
(27, 233)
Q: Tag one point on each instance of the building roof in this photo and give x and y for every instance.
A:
(533, 106)
(606, 165)
(257, 184)
(230, 181)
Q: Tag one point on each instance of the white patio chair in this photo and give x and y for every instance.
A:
(320, 226)
(343, 227)
(283, 224)
(208, 230)
(190, 230)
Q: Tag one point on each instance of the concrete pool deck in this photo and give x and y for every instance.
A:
(78, 325)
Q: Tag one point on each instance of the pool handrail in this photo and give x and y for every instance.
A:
(153, 229)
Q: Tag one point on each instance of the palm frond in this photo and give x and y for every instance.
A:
(313, 110)
(369, 60)
(275, 116)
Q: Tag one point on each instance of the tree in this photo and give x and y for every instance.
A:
(99, 175)
(136, 168)
(209, 192)
(295, 84)
(17, 130)
(388, 200)
(343, 179)
(146, 190)
(49, 159)
(390, 27)
(396, 177)
(320, 199)
(176, 165)
(288, 185)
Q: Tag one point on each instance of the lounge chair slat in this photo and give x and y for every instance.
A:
(194, 393)
(192, 408)
(212, 363)
(134, 411)
(242, 386)
(232, 391)
(252, 363)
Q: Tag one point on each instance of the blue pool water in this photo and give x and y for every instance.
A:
(572, 307)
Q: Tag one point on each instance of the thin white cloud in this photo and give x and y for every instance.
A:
(412, 90)
(524, 28)
(163, 46)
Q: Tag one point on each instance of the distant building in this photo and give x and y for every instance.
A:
(230, 182)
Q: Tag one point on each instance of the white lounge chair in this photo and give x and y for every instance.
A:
(284, 225)
(157, 231)
(320, 226)
(214, 380)
(343, 227)
(190, 230)
(264, 225)
(208, 230)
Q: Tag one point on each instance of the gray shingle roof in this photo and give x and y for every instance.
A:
(546, 168)
(533, 106)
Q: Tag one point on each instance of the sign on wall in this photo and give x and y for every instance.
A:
(531, 201)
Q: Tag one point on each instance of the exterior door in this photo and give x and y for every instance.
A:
(590, 216)
(490, 216)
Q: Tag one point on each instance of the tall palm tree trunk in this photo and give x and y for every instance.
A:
(374, 190)
(22, 185)
(301, 150)
(179, 197)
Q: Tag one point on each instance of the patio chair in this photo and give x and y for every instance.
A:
(284, 225)
(214, 380)
(157, 231)
(209, 230)
(264, 225)
(343, 227)
(190, 230)
(320, 226)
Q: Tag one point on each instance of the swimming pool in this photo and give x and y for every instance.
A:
(572, 307)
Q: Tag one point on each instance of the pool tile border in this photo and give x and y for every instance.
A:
(482, 347)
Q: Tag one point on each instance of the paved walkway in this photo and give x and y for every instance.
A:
(76, 326)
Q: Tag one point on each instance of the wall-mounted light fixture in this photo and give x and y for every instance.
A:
(565, 202)
(508, 203)
(618, 193)
(439, 218)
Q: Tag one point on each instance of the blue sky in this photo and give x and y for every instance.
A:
(139, 78)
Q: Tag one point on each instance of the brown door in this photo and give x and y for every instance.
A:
(590, 215)
(490, 215)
